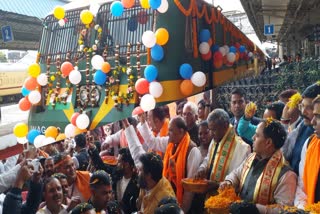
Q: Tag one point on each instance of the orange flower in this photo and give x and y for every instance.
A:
(223, 200)
(313, 208)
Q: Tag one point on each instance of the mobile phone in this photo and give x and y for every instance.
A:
(36, 164)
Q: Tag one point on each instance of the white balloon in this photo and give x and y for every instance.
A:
(231, 57)
(69, 130)
(204, 47)
(42, 79)
(48, 140)
(147, 102)
(38, 141)
(250, 54)
(155, 89)
(82, 121)
(94, 8)
(34, 97)
(61, 22)
(149, 39)
(22, 140)
(198, 79)
(97, 62)
(223, 51)
(75, 77)
(226, 47)
(163, 6)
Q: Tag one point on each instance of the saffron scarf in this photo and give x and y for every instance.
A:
(174, 165)
(223, 157)
(82, 183)
(164, 131)
(267, 181)
(311, 169)
(124, 141)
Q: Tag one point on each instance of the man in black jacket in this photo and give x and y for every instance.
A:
(82, 154)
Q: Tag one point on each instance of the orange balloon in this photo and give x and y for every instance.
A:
(51, 131)
(127, 3)
(30, 83)
(162, 36)
(66, 68)
(142, 86)
(24, 104)
(218, 64)
(105, 67)
(186, 87)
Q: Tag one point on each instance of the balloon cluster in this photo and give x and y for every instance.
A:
(205, 43)
(102, 68)
(160, 5)
(59, 13)
(190, 79)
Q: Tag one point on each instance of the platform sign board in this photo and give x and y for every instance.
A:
(7, 34)
(269, 29)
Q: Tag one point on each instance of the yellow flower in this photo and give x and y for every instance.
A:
(52, 78)
(99, 30)
(294, 100)
(80, 42)
(269, 120)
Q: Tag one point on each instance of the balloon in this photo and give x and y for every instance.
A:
(142, 86)
(24, 104)
(204, 35)
(22, 140)
(86, 17)
(60, 137)
(142, 17)
(99, 77)
(226, 47)
(218, 64)
(32, 135)
(127, 3)
(242, 49)
(145, 4)
(157, 53)
(75, 77)
(163, 7)
(30, 83)
(147, 102)
(162, 36)
(61, 22)
(149, 39)
(156, 89)
(137, 110)
(66, 68)
(231, 57)
(185, 71)
(74, 118)
(250, 54)
(151, 73)
(82, 121)
(237, 45)
(225, 60)
(24, 91)
(154, 4)
(38, 141)
(132, 24)
(51, 131)
(198, 79)
(217, 56)
(105, 67)
(69, 130)
(116, 8)
(58, 12)
(232, 49)
(20, 130)
(223, 51)
(34, 97)
(48, 141)
(204, 48)
(97, 61)
(186, 87)
(207, 57)
(42, 79)
(215, 48)
(34, 70)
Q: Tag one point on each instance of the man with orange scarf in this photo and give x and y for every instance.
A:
(308, 190)
(265, 177)
(181, 160)
(78, 180)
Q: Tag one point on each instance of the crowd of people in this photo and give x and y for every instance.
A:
(272, 160)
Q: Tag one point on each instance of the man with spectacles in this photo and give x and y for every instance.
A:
(296, 139)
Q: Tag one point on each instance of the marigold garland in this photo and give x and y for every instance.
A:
(223, 200)
(313, 208)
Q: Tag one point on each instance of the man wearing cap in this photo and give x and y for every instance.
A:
(78, 180)
(308, 190)
(296, 138)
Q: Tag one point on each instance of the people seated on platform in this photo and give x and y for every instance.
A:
(78, 181)
(82, 155)
(296, 138)
(237, 106)
(125, 182)
(308, 190)
(154, 186)
(246, 129)
(204, 138)
(190, 115)
(265, 178)
(182, 157)
(101, 190)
